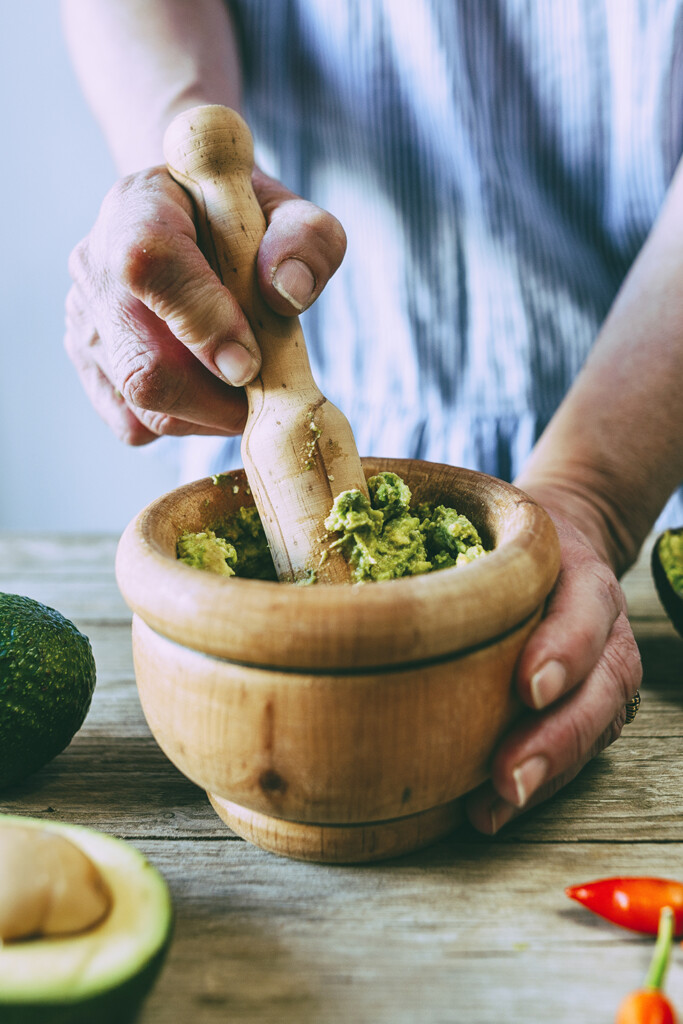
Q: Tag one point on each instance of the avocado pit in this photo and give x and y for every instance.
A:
(85, 924)
(48, 886)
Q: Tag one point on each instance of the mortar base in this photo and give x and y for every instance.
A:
(341, 844)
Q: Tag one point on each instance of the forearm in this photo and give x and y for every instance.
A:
(614, 449)
(140, 62)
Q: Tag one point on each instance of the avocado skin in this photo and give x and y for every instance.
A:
(47, 678)
(121, 1005)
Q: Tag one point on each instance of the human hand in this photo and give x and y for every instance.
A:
(578, 670)
(160, 344)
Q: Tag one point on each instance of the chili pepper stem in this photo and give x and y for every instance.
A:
(662, 951)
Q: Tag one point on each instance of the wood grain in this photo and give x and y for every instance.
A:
(329, 748)
(307, 706)
(472, 929)
(461, 932)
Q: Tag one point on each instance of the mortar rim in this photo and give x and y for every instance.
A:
(352, 626)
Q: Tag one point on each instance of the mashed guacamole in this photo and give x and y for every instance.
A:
(671, 557)
(382, 539)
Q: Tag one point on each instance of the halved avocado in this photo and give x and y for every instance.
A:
(101, 975)
(667, 572)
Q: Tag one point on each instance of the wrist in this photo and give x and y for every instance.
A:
(601, 521)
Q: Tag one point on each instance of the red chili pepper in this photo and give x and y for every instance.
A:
(633, 903)
(649, 1005)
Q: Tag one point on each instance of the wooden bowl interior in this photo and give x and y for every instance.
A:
(337, 626)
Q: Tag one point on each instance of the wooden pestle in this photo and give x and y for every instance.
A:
(298, 449)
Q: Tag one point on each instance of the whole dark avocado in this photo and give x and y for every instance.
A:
(47, 678)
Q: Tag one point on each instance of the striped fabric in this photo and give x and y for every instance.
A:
(497, 165)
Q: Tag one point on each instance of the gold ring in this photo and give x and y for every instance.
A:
(632, 707)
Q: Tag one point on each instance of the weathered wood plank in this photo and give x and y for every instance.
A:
(631, 793)
(457, 933)
(84, 600)
(118, 780)
(471, 929)
(71, 572)
(61, 554)
(114, 777)
(119, 784)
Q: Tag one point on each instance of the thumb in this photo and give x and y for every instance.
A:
(302, 248)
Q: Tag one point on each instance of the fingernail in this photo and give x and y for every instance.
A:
(295, 282)
(237, 365)
(548, 684)
(501, 812)
(528, 776)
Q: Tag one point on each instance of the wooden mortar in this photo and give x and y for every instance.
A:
(336, 722)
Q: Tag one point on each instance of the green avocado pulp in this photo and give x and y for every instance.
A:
(671, 557)
(382, 539)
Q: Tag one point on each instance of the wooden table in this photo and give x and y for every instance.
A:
(472, 929)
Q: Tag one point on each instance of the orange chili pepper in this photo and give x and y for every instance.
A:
(646, 1007)
(649, 1005)
(634, 903)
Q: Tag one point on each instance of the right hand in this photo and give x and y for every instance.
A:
(160, 344)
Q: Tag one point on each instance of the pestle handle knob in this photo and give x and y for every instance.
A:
(298, 449)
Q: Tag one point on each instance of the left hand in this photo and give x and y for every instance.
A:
(577, 671)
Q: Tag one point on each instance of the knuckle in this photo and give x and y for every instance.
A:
(148, 232)
(148, 385)
(322, 231)
(337, 238)
(144, 262)
(299, 228)
(130, 214)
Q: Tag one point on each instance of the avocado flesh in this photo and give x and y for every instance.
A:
(103, 974)
(667, 572)
(47, 678)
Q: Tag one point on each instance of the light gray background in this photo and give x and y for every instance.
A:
(60, 467)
